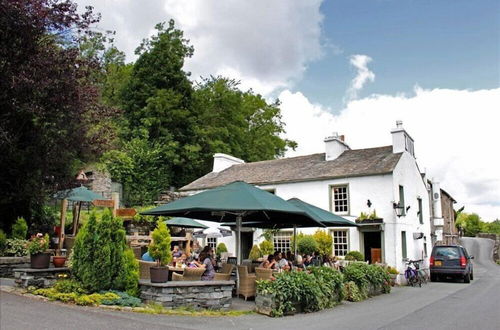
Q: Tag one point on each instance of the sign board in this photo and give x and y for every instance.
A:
(126, 213)
(104, 202)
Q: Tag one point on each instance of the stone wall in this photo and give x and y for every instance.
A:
(40, 278)
(8, 264)
(195, 294)
(496, 248)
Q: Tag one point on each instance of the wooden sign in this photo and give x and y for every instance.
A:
(104, 202)
(126, 213)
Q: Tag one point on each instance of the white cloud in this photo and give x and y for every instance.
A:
(455, 132)
(363, 75)
(265, 44)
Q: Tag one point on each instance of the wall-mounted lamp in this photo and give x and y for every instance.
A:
(407, 208)
(369, 203)
(398, 209)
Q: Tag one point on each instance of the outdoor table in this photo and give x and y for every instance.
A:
(172, 269)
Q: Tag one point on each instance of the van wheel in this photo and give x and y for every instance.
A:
(472, 275)
(467, 278)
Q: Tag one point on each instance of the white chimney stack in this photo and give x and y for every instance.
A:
(401, 140)
(335, 146)
(223, 161)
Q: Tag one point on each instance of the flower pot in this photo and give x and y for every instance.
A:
(393, 279)
(159, 274)
(40, 260)
(58, 261)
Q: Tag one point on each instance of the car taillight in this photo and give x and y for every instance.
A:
(431, 261)
(463, 262)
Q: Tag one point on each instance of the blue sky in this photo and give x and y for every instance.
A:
(435, 44)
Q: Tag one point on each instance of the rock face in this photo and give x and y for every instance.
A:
(8, 264)
(195, 294)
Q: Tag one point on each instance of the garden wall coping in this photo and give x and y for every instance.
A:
(176, 284)
(14, 260)
(42, 270)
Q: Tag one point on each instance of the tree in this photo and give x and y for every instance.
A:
(492, 227)
(50, 119)
(159, 249)
(324, 241)
(470, 222)
(255, 253)
(266, 247)
(307, 244)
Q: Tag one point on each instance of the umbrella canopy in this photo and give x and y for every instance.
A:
(80, 194)
(185, 223)
(212, 232)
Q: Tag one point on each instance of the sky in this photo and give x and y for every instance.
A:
(354, 67)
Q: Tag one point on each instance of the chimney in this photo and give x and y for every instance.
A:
(223, 161)
(401, 140)
(335, 146)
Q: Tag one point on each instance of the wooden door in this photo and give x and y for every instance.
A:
(376, 254)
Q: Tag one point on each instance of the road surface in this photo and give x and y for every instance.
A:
(444, 305)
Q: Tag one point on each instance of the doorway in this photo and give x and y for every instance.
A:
(246, 244)
(373, 246)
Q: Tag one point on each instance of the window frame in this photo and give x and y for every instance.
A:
(401, 202)
(334, 243)
(332, 196)
(420, 210)
(281, 237)
(211, 241)
(404, 247)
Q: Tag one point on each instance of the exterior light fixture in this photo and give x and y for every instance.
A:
(369, 203)
(400, 210)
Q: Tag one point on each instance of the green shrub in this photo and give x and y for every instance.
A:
(357, 273)
(69, 286)
(128, 279)
(255, 253)
(266, 247)
(221, 248)
(123, 299)
(99, 260)
(354, 256)
(38, 244)
(159, 249)
(392, 270)
(324, 242)
(331, 282)
(351, 292)
(94, 299)
(307, 244)
(20, 229)
(368, 277)
(3, 240)
(15, 247)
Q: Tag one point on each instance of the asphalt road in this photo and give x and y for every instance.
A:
(444, 305)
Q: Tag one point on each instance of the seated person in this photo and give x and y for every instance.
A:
(283, 264)
(269, 263)
(147, 257)
(176, 253)
(308, 260)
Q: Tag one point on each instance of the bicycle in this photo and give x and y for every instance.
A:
(413, 274)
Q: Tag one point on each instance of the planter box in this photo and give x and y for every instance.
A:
(264, 304)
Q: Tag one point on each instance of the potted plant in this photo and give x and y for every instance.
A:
(393, 273)
(37, 248)
(58, 260)
(159, 249)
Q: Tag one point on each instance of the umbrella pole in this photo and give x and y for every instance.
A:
(64, 205)
(295, 241)
(238, 239)
(77, 218)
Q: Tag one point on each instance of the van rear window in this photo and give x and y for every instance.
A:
(448, 252)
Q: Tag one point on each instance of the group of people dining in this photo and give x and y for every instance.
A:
(281, 261)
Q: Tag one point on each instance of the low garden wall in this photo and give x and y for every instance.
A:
(40, 278)
(196, 294)
(8, 264)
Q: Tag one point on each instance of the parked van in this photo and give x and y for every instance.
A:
(451, 260)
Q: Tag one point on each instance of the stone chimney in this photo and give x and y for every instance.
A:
(335, 146)
(223, 161)
(401, 140)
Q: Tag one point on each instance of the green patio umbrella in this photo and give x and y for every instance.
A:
(80, 194)
(234, 202)
(185, 223)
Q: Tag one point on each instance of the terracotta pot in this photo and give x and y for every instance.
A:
(159, 274)
(58, 261)
(40, 260)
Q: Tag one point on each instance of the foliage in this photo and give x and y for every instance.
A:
(15, 247)
(354, 255)
(266, 247)
(470, 222)
(255, 253)
(159, 249)
(100, 259)
(392, 270)
(379, 278)
(3, 240)
(366, 216)
(352, 292)
(324, 241)
(38, 243)
(268, 234)
(124, 299)
(69, 286)
(51, 118)
(19, 229)
(306, 244)
(221, 248)
(492, 227)
(367, 277)
(322, 288)
(357, 273)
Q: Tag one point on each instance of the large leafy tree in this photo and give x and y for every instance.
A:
(50, 115)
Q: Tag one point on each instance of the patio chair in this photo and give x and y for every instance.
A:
(137, 251)
(144, 273)
(263, 273)
(249, 264)
(246, 285)
(225, 273)
(190, 274)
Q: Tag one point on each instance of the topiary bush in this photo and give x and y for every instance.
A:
(159, 249)
(354, 256)
(20, 229)
(255, 253)
(221, 248)
(307, 244)
(266, 247)
(324, 241)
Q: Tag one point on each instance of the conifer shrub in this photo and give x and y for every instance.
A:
(159, 249)
(354, 256)
(221, 248)
(255, 253)
(266, 247)
(20, 229)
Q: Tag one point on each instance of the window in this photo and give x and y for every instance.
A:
(340, 199)
(282, 240)
(403, 244)
(212, 242)
(425, 250)
(420, 215)
(402, 199)
(340, 242)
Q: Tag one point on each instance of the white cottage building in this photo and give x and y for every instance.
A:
(355, 184)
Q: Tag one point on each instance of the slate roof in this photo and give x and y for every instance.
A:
(360, 162)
